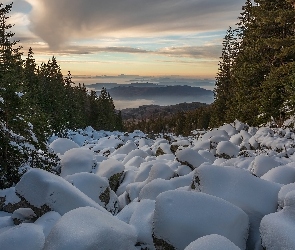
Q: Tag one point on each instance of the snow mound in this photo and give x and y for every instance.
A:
(125, 149)
(143, 171)
(113, 171)
(89, 228)
(9, 196)
(128, 178)
(79, 139)
(61, 145)
(277, 229)
(230, 129)
(107, 142)
(77, 160)
(283, 192)
(181, 217)
(227, 150)
(212, 242)
(47, 221)
(255, 196)
(97, 188)
(154, 188)
(207, 155)
(52, 191)
(201, 145)
(262, 164)
(215, 132)
(134, 162)
(23, 215)
(135, 153)
(27, 236)
(110, 167)
(281, 174)
(160, 170)
(190, 157)
(142, 220)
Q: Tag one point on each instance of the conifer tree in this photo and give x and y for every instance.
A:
(52, 93)
(267, 44)
(223, 86)
(107, 115)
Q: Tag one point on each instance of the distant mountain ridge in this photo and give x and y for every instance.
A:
(147, 111)
(131, 92)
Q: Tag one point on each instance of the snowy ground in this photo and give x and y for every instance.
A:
(228, 188)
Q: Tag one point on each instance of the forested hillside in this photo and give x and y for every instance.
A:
(37, 101)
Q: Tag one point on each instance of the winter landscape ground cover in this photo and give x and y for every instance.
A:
(232, 187)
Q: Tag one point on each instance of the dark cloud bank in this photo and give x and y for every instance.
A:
(58, 21)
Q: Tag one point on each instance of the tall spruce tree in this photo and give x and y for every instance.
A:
(52, 94)
(277, 97)
(223, 87)
(262, 68)
(107, 115)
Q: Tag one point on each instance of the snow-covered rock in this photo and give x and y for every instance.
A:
(281, 174)
(41, 188)
(89, 228)
(61, 145)
(125, 149)
(97, 188)
(229, 128)
(182, 216)
(135, 153)
(140, 216)
(77, 160)
(262, 164)
(215, 132)
(47, 221)
(190, 158)
(277, 229)
(113, 171)
(9, 201)
(283, 192)
(227, 150)
(27, 236)
(255, 196)
(160, 170)
(134, 162)
(23, 215)
(212, 242)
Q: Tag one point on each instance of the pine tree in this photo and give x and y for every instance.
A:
(107, 114)
(52, 94)
(267, 43)
(223, 86)
(278, 85)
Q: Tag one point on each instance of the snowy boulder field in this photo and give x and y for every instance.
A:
(232, 187)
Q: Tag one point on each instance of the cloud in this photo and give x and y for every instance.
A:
(59, 21)
(84, 50)
(195, 52)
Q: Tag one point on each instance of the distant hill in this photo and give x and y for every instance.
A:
(131, 92)
(147, 111)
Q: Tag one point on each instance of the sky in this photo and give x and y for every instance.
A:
(131, 37)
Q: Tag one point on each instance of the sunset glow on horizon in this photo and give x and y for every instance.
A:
(132, 37)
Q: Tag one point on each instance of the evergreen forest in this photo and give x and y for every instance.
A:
(37, 101)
